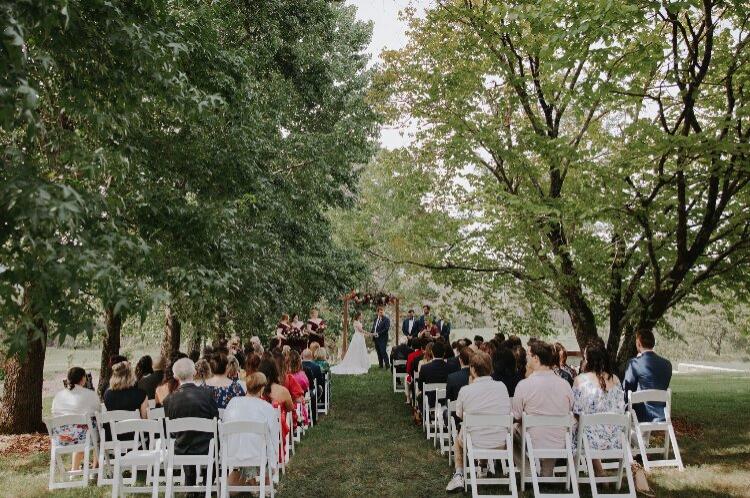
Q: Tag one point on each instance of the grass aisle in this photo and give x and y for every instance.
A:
(366, 446)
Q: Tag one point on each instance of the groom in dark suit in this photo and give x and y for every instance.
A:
(380, 329)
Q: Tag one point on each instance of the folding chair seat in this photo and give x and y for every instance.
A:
(642, 430)
(284, 442)
(208, 460)
(614, 458)
(137, 456)
(107, 448)
(505, 455)
(399, 379)
(56, 465)
(533, 455)
(309, 405)
(228, 463)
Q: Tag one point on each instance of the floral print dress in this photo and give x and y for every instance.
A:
(223, 395)
(589, 398)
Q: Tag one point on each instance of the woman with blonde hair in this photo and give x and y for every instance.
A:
(122, 393)
(321, 359)
(202, 372)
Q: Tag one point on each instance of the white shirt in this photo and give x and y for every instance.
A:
(247, 446)
(76, 401)
(411, 324)
(484, 396)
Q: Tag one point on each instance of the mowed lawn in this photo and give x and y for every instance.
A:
(367, 446)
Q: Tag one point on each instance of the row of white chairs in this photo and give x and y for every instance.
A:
(152, 449)
(577, 469)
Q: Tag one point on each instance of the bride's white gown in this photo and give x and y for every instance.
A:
(356, 360)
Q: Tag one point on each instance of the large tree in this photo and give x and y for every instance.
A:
(596, 153)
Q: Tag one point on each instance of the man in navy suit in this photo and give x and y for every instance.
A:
(444, 326)
(648, 370)
(434, 372)
(380, 329)
(408, 325)
(421, 322)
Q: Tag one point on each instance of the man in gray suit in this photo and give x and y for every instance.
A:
(648, 370)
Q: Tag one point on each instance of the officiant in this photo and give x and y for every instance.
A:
(380, 328)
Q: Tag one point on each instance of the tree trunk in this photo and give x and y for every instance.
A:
(221, 324)
(196, 342)
(627, 350)
(24, 378)
(110, 347)
(172, 328)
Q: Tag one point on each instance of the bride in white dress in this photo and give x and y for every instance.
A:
(356, 360)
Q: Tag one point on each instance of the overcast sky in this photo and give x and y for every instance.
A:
(390, 33)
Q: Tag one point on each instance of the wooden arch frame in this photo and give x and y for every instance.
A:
(395, 301)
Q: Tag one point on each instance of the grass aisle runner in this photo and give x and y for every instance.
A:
(366, 446)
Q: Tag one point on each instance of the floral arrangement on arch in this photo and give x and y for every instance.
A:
(371, 298)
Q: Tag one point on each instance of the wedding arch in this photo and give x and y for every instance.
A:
(372, 299)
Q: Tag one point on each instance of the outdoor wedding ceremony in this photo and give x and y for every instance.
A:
(375, 248)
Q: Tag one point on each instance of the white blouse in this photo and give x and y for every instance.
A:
(76, 401)
(247, 446)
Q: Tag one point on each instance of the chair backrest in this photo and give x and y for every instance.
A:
(193, 424)
(156, 413)
(221, 413)
(136, 425)
(611, 419)
(491, 421)
(116, 416)
(452, 406)
(229, 428)
(399, 363)
(563, 421)
(647, 395)
(152, 404)
(432, 387)
(78, 419)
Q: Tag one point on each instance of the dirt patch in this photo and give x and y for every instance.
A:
(23, 444)
(684, 428)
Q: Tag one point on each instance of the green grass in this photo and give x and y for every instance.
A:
(367, 446)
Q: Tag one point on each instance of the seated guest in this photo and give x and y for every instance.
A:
(167, 386)
(504, 369)
(252, 361)
(478, 341)
(562, 356)
(314, 347)
(74, 400)
(144, 367)
(457, 380)
(543, 393)
(483, 396)
(451, 359)
(401, 353)
(648, 370)
(597, 390)
(277, 395)
(412, 362)
(150, 382)
(202, 372)
(434, 372)
(189, 400)
(236, 350)
(247, 447)
(221, 387)
(562, 373)
(233, 369)
(122, 393)
(294, 365)
(321, 359)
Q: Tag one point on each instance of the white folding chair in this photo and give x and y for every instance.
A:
(533, 455)
(441, 434)
(133, 457)
(156, 413)
(299, 430)
(107, 448)
(643, 430)
(321, 397)
(57, 450)
(151, 404)
(499, 423)
(428, 415)
(285, 443)
(621, 456)
(221, 413)
(228, 463)
(209, 460)
(398, 387)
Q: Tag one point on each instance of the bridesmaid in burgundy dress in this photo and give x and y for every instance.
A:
(296, 336)
(317, 327)
(282, 329)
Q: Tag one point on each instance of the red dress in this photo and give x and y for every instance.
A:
(296, 391)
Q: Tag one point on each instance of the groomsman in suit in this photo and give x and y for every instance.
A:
(422, 320)
(444, 326)
(407, 327)
(380, 329)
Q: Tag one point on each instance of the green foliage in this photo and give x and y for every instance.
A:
(590, 156)
(155, 153)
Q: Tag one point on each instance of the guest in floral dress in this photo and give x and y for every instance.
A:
(76, 399)
(597, 390)
(223, 389)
